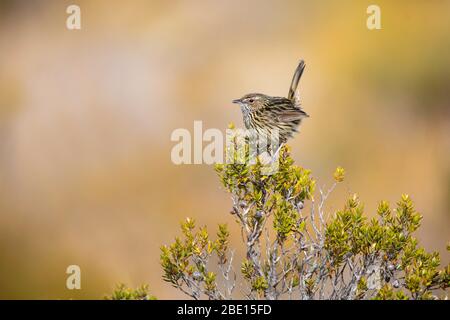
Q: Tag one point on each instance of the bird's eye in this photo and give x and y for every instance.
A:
(251, 100)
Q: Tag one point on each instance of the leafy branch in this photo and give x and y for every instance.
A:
(295, 253)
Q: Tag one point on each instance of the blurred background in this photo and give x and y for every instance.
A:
(86, 117)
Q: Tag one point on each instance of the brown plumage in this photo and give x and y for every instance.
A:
(265, 114)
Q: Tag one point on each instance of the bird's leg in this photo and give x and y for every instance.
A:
(275, 155)
(270, 162)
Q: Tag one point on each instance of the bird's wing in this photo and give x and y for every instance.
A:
(292, 115)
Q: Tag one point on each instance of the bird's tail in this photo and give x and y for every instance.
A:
(297, 75)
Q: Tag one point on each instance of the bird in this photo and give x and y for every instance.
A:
(272, 118)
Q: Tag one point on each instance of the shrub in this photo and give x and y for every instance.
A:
(123, 293)
(294, 253)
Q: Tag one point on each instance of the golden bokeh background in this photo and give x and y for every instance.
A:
(86, 117)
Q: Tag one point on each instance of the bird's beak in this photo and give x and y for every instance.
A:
(237, 101)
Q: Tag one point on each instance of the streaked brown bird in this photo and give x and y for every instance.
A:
(268, 116)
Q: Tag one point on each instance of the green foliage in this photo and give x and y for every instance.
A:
(279, 194)
(260, 285)
(247, 269)
(387, 292)
(344, 255)
(388, 239)
(221, 244)
(123, 293)
(185, 261)
(339, 174)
